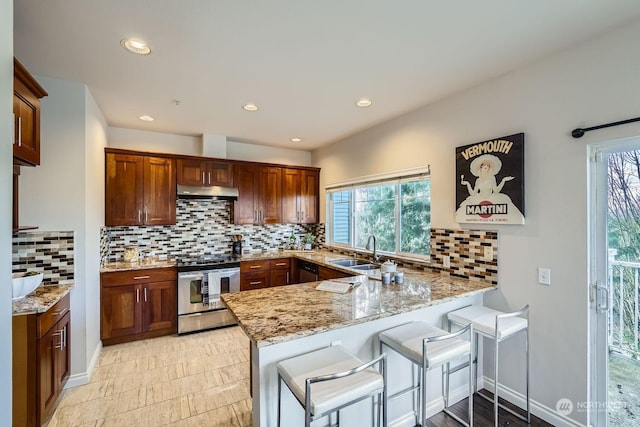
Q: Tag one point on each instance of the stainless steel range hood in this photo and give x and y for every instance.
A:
(213, 192)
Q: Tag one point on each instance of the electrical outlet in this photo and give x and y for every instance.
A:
(488, 253)
(446, 261)
(544, 276)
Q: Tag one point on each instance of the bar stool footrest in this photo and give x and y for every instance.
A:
(506, 408)
(455, 417)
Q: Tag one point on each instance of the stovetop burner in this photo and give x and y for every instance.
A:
(208, 262)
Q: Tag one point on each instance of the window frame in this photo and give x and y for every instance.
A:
(396, 179)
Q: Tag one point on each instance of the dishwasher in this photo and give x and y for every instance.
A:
(308, 271)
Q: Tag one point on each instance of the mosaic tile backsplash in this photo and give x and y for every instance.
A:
(48, 252)
(202, 227)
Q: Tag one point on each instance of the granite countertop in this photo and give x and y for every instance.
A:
(111, 267)
(41, 300)
(274, 315)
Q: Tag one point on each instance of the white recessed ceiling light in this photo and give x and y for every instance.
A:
(138, 47)
(295, 139)
(363, 102)
(250, 107)
(146, 118)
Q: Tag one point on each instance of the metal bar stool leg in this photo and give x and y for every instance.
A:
(495, 385)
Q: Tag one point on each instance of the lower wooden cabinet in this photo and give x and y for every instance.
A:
(325, 273)
(138, 304)
(41, 362)
(265, 273)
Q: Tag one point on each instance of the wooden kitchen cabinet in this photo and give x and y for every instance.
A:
(300, 192)
(26, 110)
(260, 191)
(261, 274)
(140, 190)
(197, 172)
(325, 273)
(138, 304)
(41, 362)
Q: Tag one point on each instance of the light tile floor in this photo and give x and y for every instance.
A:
(191, 380)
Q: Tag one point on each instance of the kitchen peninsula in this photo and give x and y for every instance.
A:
(286, 321)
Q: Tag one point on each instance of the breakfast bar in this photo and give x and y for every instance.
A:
(288, 321)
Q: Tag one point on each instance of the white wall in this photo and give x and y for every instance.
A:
(593, 83)
(6, 196)
(192, 145)
(64, 193)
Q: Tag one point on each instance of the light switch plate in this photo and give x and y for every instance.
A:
(488, 253)
(544, 276)
(446, 261)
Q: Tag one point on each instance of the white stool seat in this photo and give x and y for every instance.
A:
(329, 395)
(483, 320)
(408, 340)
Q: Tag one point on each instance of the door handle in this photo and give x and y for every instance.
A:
(145, 294)
(137, 296)
(602, 299)
(139, 216)
(19, 131)
(141, 277)
(146, 215)
(209, 173)
(203, 177)
(255, 266)
(255, 283)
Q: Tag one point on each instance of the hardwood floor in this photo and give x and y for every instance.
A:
(483, 415)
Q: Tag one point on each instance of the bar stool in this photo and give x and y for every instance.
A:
(329, 379)
(498, 326)
(429, 347)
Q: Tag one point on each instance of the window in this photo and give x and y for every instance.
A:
(397, 211)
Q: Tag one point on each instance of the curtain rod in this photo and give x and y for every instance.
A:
(579, 132)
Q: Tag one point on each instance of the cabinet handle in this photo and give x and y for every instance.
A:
(145, 294)
(15, 125)
(19, 131)
(209, 177)
(140, 277)
(287, 282)
(203, 178)
(255, 283)
(146, 215)
(64, 337)
(301, 215)
(281, 263)
(139, 216)
(255, 266)
(137, 296)
(60, 312)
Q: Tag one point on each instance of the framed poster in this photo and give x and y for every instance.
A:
(490, 181)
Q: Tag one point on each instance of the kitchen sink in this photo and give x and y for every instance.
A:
(350, 262)
(366, 267)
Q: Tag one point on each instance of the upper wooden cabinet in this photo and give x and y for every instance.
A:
(140, 190)
(198, 172)
(260, 194)
(300, 192)
(26, 110)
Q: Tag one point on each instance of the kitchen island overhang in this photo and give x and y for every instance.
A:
(287, 321)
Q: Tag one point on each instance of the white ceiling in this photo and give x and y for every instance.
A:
(303, 63)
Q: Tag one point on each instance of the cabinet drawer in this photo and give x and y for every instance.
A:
(46, 320)
(280, 264)
(253, 266)
(256, 280)
(129, 277)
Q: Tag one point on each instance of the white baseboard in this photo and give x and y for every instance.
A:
(541, 411)
(84, 377)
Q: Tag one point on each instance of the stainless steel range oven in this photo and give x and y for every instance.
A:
(201, 281)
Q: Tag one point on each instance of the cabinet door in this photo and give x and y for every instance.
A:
(124, 189)
(63, 355)
(191, 172)
(309, 194)
(48, 347)
(26, 108)
(159, 191)
(279, 278)
(325, 273)
(160, 306)
(121, 311)
(270, 185)
(290, 196)
(244, 211)
(220, 174)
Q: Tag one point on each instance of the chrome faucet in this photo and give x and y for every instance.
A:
(376, 257)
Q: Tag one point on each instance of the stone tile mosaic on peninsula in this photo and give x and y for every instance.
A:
(48, 252)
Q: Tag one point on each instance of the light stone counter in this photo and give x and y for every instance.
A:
(127, 266)
(41, 299)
